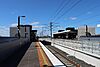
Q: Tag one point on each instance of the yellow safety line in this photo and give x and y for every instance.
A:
(44, 59)
(40, 50)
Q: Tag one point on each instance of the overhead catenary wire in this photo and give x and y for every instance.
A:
(76, 15)
(88, 10)
(85, 19)
(67, 10)
(55, 18)
(91, 9)
(61, 9)
(57, 12)
(83, 13)
(62, 14)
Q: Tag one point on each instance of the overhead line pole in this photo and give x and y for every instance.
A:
(51, 30)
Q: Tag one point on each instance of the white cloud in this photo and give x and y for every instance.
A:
(73, 18)
(37, 26)
(98, 25)
(4, 31)
(34, 23)
(14, 25)
(14, 12)
(89, 12)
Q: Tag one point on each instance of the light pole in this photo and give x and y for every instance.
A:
(19, 26)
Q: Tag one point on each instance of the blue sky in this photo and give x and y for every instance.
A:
(39, 12)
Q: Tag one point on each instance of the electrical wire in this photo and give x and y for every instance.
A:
(61, 9)
(67, 10)
(91, 9)
(88, 18)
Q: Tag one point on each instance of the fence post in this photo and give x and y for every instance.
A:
(82, 46)
(92, 47)
(99, 47)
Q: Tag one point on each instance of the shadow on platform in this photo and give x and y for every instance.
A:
(14, 59)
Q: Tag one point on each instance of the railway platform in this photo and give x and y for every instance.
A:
(30, 59)
(34, 57)
(46, 55)
(42, 54)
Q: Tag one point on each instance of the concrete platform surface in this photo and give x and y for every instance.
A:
(30, 59)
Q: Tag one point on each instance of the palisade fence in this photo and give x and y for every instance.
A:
(84, 45)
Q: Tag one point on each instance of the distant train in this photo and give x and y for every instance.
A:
(70, 33)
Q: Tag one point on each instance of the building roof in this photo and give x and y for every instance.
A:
(62, 32)
(26, 25)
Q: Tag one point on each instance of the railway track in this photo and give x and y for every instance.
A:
(69, 61)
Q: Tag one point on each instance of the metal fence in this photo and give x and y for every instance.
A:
(84, 45)
(89, 46)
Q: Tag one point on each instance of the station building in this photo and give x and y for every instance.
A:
(69, 33)
(25, 32)
(72, 33)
